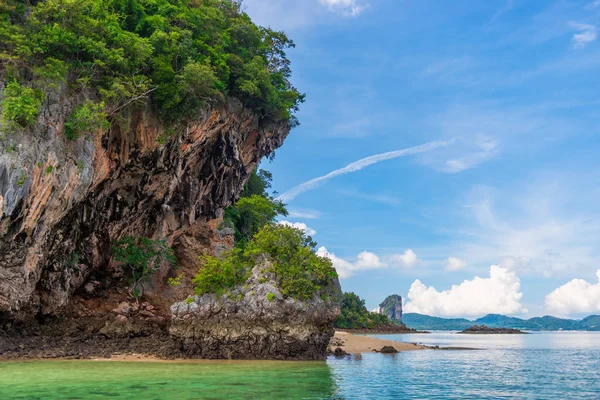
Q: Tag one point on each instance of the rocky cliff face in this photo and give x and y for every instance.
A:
(256, 322)
(62, 203)
(392, 307)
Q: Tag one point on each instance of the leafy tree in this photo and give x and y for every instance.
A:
(86, 119)
(20, 106)
(255, 209)
(298, 271)
(143, 256)
(179, 54)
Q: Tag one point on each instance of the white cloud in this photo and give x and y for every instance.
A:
(497, 294)
(577, 296)
(593, 5)
(299, 225)
(486, 149)
(368, 261)
(344, 268)
(346, 7)
(407, 260)
(586, 34)
(303, 213)
(455, 264)
(358, 165)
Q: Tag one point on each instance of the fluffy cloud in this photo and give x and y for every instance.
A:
(586, 34)
(347, 7)
(455, 264)
(577, 296)
(367, 261)
(497, 294)
(299, 225)
(408, 259)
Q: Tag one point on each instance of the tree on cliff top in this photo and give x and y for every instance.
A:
(180, 54)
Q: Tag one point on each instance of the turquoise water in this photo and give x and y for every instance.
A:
(537, 366)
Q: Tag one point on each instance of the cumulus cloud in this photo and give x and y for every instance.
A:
(455, 264)
(357, 166)
(408, 259)
(577, 296)
(347, 7)
(299, 225)
(497, 294)
(368, 261)
(585, 35)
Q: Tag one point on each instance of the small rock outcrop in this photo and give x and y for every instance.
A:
(255, 321)
(388, 350)
(482, 329)
(392, 308)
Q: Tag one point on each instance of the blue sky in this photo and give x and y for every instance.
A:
(503, 95)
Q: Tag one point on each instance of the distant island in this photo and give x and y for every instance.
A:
(486, 330)
(546, 323)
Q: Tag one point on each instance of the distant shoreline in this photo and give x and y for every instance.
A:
(357, 344)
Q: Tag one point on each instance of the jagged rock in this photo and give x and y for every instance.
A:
(245, 323)
(123, 308)
(392, 308)
(56, 228)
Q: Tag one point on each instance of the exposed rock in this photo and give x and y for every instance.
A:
(388, 350)
(392, 308)
(339, 352)
(57, 224)
(248, 323)
(482, 329)
(124, 308)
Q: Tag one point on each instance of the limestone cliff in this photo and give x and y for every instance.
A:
(392, 308)
(62, 203)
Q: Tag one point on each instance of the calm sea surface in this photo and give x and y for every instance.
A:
(537, 366)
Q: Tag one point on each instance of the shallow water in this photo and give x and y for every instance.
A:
(537, 366)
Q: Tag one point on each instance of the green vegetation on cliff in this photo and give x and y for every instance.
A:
(289, 252)
(355, 315)
(291, 260)
(180, 54)
(255, 209)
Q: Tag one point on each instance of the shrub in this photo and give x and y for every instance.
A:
(143, 256)
(298, 271)
(219, 274)
(86, 119)
(20, 106)
(271, 296)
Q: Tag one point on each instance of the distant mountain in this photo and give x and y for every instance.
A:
(546, 323)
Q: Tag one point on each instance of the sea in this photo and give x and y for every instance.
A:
(541, 365)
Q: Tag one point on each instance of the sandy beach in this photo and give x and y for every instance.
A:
(354, 344)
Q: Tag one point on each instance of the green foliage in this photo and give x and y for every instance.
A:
(354, 315)
(219, 274)
(176, 281)
(250, 214)
(143, 256)
(49, 169)
(86, 119)
(255, 209)
(298, 271)
(270, 296)
(20, 106)
(180, 54)
(22, 179)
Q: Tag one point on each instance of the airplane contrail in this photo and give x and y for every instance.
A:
(358, 165)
